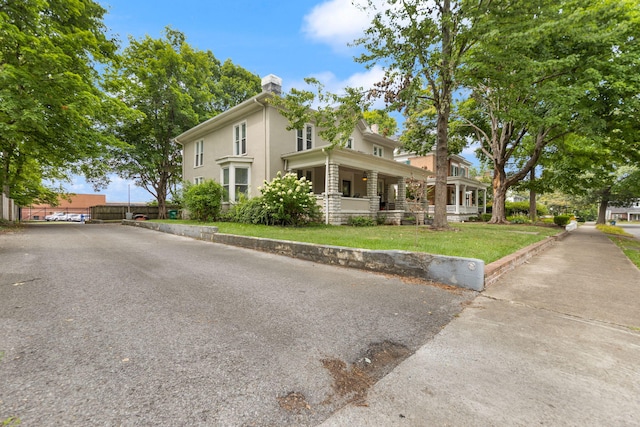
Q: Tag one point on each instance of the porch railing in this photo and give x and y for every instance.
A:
(464, 210)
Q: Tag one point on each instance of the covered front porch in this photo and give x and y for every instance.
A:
(466, 198)
(349, 183)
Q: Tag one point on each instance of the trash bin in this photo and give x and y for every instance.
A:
(173, 214)
(612, 222)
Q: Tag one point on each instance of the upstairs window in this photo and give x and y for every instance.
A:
(349, 144)
(378, 151)
(240, 139)
(199, 157)
(304, 138)
(198, 180)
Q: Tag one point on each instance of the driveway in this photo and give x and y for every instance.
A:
(113, 325)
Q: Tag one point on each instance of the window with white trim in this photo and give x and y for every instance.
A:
(349, 144)
(235, 181)
(199, 155)
(198, 180)
(241, 181)
(378, 151)
(304, 138)
(225, 184)
(240, 139)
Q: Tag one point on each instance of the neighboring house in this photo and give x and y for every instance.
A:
(249, 144)
(631, 213)
(76, 203)
(466, 197)
(513, 197)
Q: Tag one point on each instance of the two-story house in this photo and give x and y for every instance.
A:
(466, 196)
(249, 143)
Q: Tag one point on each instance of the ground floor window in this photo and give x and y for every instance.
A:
(235, 182)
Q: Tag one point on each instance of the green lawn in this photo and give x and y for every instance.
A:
(472, 240)
(625, 241)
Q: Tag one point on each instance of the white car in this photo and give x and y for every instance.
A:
(75, 217)
(56, 216)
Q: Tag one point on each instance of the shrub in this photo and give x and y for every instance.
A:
(361, 221)
(519, 219)
(289, 200)
(561, 220)
(517, 208)
(204, 200)
(249, 211)
(486, 217)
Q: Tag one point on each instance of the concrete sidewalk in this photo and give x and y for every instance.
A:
(554, 342)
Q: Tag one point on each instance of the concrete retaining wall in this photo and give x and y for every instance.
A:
(462, 272)
(455, 271)
(199, 232)
(466, 273)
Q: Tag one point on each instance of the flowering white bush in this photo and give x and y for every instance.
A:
(289, 200)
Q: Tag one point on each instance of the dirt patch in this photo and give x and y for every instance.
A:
(294, 402)
(380, 358)
(351, 383)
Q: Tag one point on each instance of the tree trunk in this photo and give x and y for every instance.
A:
(604, 204)
(162, 208)
(498, 212)
(444, 108)
(442, 172)
(532, 197)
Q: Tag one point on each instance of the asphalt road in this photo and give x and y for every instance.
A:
(120, 326)
(631, 228)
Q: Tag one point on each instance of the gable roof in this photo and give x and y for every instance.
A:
(251, 105)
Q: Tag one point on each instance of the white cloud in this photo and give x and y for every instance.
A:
(336, 23)
(334, 84)
(469, 153)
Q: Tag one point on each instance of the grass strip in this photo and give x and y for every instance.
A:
(487, 242)
(625, 241)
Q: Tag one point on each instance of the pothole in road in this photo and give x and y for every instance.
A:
(351, 384)
(294, 402)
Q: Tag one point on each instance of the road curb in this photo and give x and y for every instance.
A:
(468, 273)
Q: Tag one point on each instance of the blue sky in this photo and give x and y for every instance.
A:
(293, 39)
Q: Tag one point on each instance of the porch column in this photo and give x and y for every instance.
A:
(402, 194)
(484, 201)
(457, 198)
(477, 204)
(464, 196)
(372, 192)
(333, 196)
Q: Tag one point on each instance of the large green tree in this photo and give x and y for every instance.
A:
(51, 107)
(422, 46)
(542, 71)
(171, 87)
(589, 170)
(387, 125)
